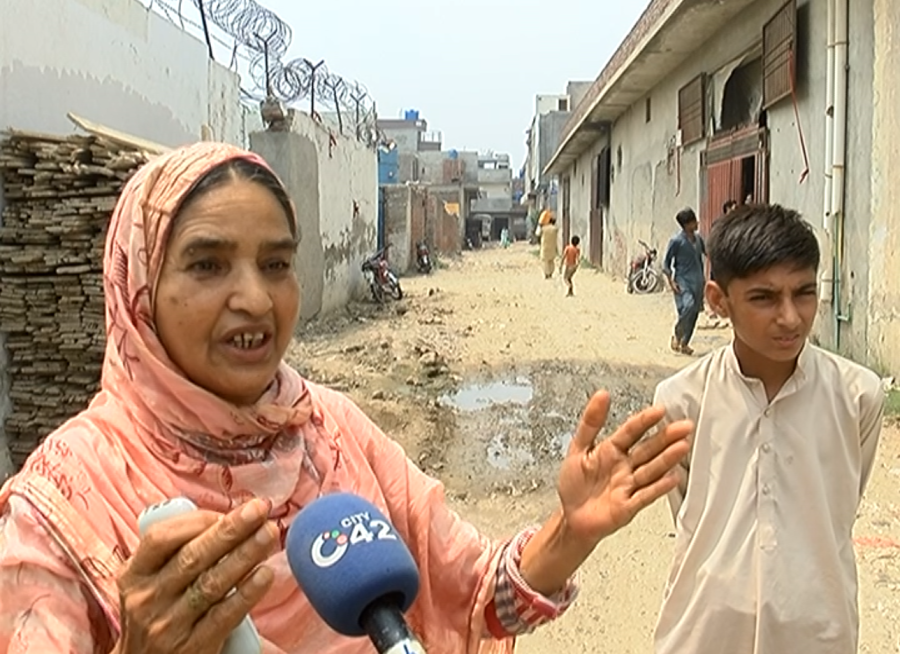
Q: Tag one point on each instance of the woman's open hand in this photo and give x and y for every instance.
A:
(604, 484)
(174, 591)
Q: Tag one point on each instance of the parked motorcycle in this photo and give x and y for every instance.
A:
(643, 278)
(423, 258)
(383, 282)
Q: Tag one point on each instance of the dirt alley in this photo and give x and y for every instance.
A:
(481, 373)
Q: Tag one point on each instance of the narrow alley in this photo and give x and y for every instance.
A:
(481, 373)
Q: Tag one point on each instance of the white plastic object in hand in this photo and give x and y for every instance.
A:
(244, 639)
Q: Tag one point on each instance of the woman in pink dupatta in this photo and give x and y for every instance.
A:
(159, 430)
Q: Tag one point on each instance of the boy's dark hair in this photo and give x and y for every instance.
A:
(685, 217)
(729, 205)
(575, 241)
(756, 237)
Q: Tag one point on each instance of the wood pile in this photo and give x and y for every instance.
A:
(59, 193)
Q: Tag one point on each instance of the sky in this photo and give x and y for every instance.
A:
(471, 67)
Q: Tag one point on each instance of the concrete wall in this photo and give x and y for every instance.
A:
(405, 134)
(431, 167)
(398, 225)
(576, 92)
(546, 103)
(408, 167)
(335, 188)
(550, 128)
(498, 190)
(114, 62)
(414, 213)
(883, 310)
(647, 190)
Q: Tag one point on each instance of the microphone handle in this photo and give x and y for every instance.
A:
(387, 629)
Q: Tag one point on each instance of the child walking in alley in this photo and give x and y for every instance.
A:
(784, 442)
(569, 263)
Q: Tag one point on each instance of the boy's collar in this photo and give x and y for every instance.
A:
(802, 370)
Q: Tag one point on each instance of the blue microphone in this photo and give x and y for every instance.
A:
(355, 570)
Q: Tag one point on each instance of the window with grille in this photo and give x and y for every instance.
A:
(691, 111)
(779, 51)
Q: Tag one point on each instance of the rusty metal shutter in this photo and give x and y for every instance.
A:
(738, 144)
(691, 111)
(779, 50)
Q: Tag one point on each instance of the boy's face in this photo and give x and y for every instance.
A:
(772, 312)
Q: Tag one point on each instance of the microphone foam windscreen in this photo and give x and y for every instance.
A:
(345, 554)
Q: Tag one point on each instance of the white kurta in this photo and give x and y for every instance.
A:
(764, 560)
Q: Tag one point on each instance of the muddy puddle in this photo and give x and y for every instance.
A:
(479, 396)
(507, 432)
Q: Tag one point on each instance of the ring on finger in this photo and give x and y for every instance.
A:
(196, 598)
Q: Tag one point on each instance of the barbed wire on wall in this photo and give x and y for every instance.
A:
(258, 40)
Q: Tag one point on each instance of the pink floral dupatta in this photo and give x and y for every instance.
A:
(151, 434)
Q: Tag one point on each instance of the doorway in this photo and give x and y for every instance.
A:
(600, 196)
(566, 217)
(733, 167)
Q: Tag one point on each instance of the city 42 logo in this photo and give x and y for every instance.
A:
(329, 547)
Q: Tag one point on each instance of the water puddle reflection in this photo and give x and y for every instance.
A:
(477, 397)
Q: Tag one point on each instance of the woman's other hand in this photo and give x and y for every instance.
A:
(604, 484)
(602, 487)
(175, 591)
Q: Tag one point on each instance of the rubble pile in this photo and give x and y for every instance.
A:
(59, 193)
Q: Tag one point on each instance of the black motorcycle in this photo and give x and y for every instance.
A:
(383, 282)
(423, 258)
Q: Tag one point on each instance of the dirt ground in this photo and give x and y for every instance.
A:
(481, 373)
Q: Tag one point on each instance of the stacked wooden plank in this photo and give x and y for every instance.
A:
(59, 193)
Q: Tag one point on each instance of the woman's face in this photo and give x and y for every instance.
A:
(227, 299)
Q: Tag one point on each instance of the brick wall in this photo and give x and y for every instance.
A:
(413, 214)
(396, 225)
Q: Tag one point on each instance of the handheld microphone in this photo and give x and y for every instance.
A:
(244, 639)
(355, 570)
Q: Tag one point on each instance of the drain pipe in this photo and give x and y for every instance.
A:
(826, 282)
(841, 37)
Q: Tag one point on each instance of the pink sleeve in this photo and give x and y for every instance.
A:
(43, 606)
